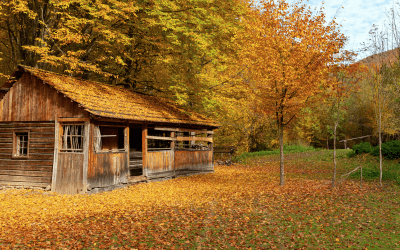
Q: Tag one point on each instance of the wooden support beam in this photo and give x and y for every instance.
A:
(355, 138)
(182, 138)
(161, 138)
(184, 130)
(144, 148)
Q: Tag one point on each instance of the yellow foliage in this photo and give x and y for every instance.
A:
(155, 213)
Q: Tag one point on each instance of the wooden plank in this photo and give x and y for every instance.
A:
(184, 130)
(154, 175)
(161, 138)
(6, 134)
(184, 138)
(25, 173)
(33, 125)
(28, 162)
(6, 144)
(31, 157)
(41, 150)
(108, 170)
(137, 178)
(6, 151)
(64, 119)
(193, 160)
(135, 161)
(41, 140)
(12, 178)
(23, 184)
(42, 136)
(160, 161)
(46, 134)
(135, 154)
(27, 168)
(40, 145)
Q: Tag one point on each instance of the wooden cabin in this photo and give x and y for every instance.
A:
(76, 136)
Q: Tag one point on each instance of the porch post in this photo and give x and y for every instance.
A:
(144, 148)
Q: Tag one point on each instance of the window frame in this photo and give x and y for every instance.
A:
(95, 145)
(61, 136)
(16, 138)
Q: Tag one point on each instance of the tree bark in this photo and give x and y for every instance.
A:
(282, 168)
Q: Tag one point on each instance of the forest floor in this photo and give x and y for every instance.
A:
(237, 207)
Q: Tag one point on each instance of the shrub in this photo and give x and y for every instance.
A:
(390, 150)
(363, 147)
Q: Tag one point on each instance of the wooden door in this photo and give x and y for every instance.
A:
(71, 156)
(69, 173)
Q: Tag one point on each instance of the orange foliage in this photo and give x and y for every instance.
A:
(291, 55)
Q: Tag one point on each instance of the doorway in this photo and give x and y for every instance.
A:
(135, 151)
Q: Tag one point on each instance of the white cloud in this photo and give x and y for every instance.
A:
(356, 17)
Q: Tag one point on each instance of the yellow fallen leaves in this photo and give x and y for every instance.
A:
(143, 216)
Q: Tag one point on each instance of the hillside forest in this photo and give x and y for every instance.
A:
(268, 72)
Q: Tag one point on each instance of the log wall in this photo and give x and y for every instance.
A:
(35, 171)
(29, 99)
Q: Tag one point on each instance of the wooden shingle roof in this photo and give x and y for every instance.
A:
(117, 102)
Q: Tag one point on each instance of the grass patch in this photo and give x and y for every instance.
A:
(370, 164)
(286, 149)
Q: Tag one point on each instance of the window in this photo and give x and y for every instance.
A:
(109, 139)
(21, 144)
(158, 140)
(72, 138)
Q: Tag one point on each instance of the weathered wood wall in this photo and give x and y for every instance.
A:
(35, 171)
(108, 169)
(29, 99)
(194, 160)
(159, 161)
(69, 173)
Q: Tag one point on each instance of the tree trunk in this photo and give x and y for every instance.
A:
(380, 146)
(282, 169)
(334, 153)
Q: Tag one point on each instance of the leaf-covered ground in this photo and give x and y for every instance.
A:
(239, 206)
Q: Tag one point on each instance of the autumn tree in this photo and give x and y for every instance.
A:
(291, 50)
(175, 49)
(383, 82)
(347, 77)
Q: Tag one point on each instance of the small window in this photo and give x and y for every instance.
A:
(109, 139)
(21, 144)
(72, 138)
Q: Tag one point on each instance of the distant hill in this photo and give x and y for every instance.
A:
(388, 57)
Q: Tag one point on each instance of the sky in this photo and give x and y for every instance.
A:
(356, 17)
